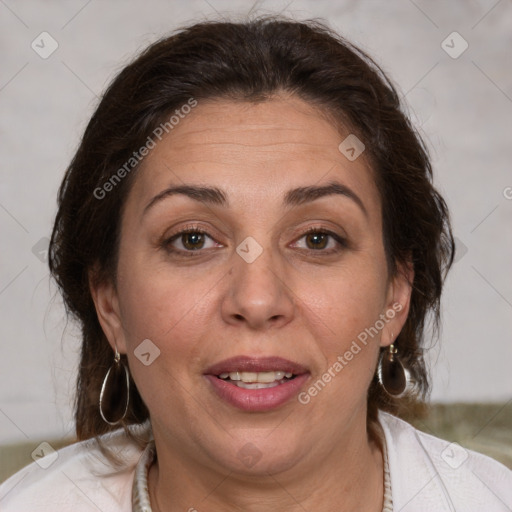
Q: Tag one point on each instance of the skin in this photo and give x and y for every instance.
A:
(293, 301)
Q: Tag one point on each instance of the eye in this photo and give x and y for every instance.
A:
(191, 239)
(317, 240)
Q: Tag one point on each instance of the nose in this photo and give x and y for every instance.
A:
(258, 293)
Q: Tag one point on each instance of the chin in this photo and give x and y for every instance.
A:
(260, 456)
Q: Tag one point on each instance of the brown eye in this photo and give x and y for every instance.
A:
(188, 242)
(318, 240)
(192, 240)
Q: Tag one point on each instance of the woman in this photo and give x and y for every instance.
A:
(250, 239)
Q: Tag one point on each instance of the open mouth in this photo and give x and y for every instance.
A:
(256, 384)
(257, 380)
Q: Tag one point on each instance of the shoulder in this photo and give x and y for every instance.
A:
(78, 477)
(431, 473)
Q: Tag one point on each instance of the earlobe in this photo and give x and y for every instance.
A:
(106, 303)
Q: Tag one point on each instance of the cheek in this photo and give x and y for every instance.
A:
(165, 311)
(165, 307)
(348, 299)
(155, 297)
(344, 310)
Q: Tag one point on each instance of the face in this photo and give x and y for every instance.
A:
(262, 273)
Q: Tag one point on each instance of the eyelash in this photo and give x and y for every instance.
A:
(166, 244)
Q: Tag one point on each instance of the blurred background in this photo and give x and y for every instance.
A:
(452, 63)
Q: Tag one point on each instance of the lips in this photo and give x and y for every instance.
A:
(255, 364)
(273, 395)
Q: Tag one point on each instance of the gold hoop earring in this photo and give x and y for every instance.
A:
(393, 376)
(110, 391)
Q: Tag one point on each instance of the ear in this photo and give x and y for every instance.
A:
(104, 295)
(397, 303)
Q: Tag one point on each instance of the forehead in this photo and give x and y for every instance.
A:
(261, 149)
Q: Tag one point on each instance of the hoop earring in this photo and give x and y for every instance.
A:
(115, 388)
(393, 376)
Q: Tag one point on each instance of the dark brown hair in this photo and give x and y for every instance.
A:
(247, 61)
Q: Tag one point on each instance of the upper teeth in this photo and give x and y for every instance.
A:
(256, 376)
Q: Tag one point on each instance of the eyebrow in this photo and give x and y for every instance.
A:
(294, 197)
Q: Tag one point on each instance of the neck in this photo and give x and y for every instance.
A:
(347, 479)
